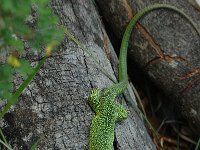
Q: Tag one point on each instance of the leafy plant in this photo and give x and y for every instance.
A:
(44, 31)
(40, 29)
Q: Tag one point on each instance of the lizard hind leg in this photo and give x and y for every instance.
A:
(94, 99)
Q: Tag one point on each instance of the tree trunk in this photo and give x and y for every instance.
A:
(166, 47)
(54, 106)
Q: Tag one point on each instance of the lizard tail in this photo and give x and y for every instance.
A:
(123, 77)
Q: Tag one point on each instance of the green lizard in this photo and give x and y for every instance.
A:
(107, 110)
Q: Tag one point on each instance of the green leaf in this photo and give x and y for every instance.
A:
(10, 40)
(198, 144)
(25, 68)
(5, 81)
(7, 5)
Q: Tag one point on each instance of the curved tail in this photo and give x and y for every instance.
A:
(123, 77)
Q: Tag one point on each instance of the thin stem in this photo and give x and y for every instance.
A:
(90, 55)
(19, 91)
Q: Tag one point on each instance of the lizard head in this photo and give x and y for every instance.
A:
(93, 98)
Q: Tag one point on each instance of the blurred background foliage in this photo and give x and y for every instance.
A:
(40, 29)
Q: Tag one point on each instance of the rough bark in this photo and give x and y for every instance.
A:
(166, 47)
(54, 106)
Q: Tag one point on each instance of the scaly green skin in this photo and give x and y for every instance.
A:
(108, 111)
(103, 101)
